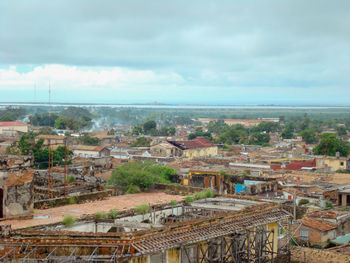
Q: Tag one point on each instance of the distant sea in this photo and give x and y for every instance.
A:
(170, 106)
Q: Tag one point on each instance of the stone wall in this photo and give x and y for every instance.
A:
(309, 255)
(19, 200)
(77, 199)
(178, 188)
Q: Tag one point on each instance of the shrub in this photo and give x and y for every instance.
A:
(208, 193)
(189, 199)
(329, 204)
(133, 189)
(173, 203)
(113, 213)
(71, 201)
(70, 179)
(345, 208)
(100, 215)
(304, 201)
(68, 221)
(142, 209)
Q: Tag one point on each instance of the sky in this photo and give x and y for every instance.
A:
(286, 52)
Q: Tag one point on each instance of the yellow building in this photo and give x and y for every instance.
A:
(332, 163)
(13, 126)
(198, 147)
(51, 139)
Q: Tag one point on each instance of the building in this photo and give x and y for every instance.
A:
(51, 139)
(16, 187)
(86, 151)
(197, 147)
(12, 128)
(221, 229)
(315, 232)
(332, 163)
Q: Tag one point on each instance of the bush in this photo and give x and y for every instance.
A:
(142, 209)
(189, 199)
(173, 203)
(140, 174)
(100, 215)
(113, 214)
(68, 221)
(304, 201)
(70, 179)
(345, 208)
(329, 204)
(71, 201)
(208, 193)
(133, 189)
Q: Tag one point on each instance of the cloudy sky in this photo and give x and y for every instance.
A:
(211, 52)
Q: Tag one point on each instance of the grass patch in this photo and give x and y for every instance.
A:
(113, 213)
(71, 201)
(68, 221)
(142, 209)
(70, 179)
(101, 215)
(133, 189)
(189, 199)
(173, 203)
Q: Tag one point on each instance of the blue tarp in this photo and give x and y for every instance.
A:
(240, 188)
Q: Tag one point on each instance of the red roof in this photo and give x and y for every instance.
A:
(316, 224)
(12, 123)
(198, 142)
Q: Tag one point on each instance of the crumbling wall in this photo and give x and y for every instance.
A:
(19, 200)
(310, 255)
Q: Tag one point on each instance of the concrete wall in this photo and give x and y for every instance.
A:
(200, 152)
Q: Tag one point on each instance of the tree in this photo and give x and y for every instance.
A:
(330, 144)
(308, 136)
(287, 133)
(140, 174)
(341, 130)
(86, 139)
(148, 126)
(142, 142)
(258, 138)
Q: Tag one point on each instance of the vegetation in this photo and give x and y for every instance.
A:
(86, 139)
(309, 136)
(12, 114)
(140, 174)
(27, 146)
(70, 179)
(200, 133)
(43, 119)
(330, 145)
(329, 204)
(68, 221)
(150, 128)
(133, 189)
(142, 142)
(173, 203)
(113, 214)
(189, 199)
(101, 215)
(142, 209)
(303, 202)
(71, 201)
(287, 133)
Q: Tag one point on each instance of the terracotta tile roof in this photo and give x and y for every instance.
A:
(12, 123)
(198, 142)
(316, 224)
(88, 148)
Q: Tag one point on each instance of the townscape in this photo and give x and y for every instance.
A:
(173, 188)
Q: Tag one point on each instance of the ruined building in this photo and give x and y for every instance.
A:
(221, 229)
(16, 187)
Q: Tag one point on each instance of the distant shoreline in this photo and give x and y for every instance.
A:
(170, 106)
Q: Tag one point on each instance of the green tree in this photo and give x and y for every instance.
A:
(140, 174)
(86, 139)
(309, 136)
(148, 126)
(142, 142)
(258, 138)
(287, 133)
(330, 144)
(341, 130)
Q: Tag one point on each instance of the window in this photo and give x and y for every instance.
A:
(304, 234)
(341, 163)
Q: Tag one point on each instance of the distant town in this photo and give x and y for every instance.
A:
(174, 185)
